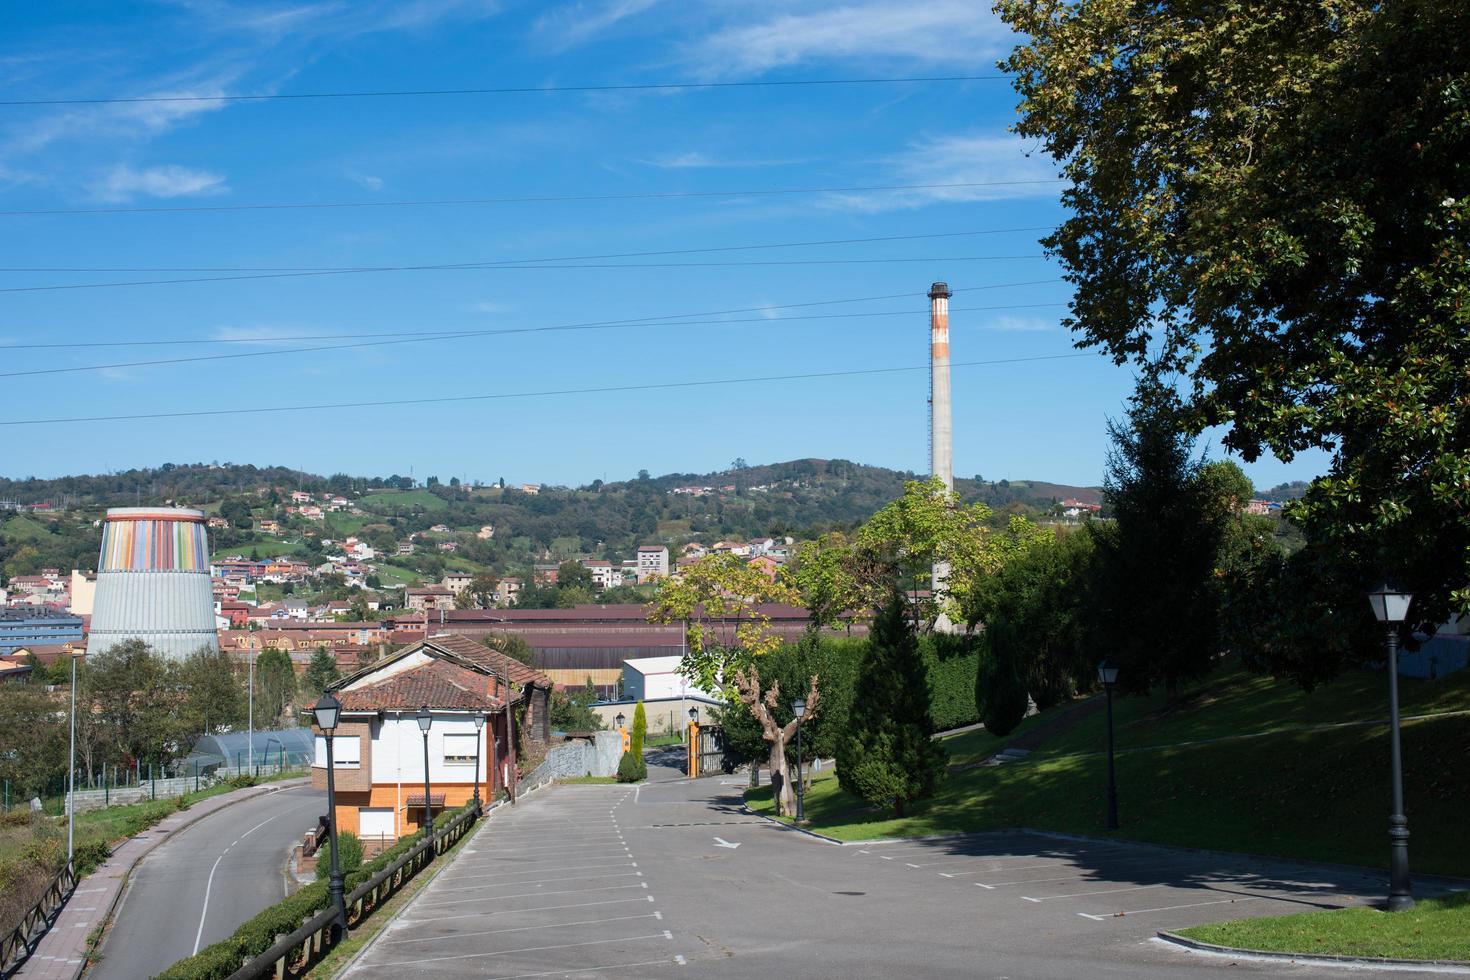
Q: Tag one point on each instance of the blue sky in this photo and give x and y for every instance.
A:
(1037, 419)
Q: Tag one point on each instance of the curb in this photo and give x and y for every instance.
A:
(1382, 963)
(127, 878)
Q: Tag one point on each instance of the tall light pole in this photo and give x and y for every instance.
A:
(71, 768)
(798, 708)
(1391, 607)
(425, 720)
(327, 710)
(250, 710)
(479, 719)
(1108, 675)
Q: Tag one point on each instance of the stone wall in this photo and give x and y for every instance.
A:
(577, 758)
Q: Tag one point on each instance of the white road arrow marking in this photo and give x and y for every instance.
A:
(721, 842)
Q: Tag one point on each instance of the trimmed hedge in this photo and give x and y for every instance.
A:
(953, 662)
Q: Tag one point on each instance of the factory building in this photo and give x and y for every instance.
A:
(153, 582)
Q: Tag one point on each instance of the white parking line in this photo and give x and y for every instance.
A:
(538, 871)
(527, 949)
(538, 894)
(1103, 891)
(476, 888)
(540, 908)
(496, 932)
(1168, 908)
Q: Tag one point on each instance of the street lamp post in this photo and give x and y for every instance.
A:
(479, 724)
(250, 712)
(1391, 607)
(798, 708)
(425, 720)
(1107, 673)
(71, 768)
(327, 711)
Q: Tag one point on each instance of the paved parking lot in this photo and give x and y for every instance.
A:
(673, 879)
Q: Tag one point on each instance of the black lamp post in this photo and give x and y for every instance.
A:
(479, 719)
(327, 711)
(425, 720)
(694, 715)
(620, 719)
(798, 708)
(1108, 675)
(1391, 607)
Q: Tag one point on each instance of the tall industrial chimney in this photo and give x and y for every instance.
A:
(941, 437)
(941, 449)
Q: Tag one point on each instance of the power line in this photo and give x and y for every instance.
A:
(485, 263)
(541, 199)
(517, 268)
(635, 321)
(466, 334)
(609, 389)
(502, 90)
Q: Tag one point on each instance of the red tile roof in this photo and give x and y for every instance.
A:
(506, 667)
(438, 684)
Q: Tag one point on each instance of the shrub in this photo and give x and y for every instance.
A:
(888, 757)
(88, 855)
(632, 768)
(349, 856)
(243, 780)
(1000, 685)
(640, 730)
(952, 662)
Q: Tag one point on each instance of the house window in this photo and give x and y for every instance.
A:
(346, 752)
(460, 748)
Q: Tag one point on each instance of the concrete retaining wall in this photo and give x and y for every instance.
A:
(578, 758)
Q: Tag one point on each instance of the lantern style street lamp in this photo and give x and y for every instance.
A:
(1107, 674)
(694, 715)
(327, 711)
(1391, 608)
(620, 719)
(426, 719)
(798, 708)
(479, 719)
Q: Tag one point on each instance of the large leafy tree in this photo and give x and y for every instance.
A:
(1274, 199)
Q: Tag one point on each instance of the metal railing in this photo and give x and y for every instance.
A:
(296, 954)
(21, 941)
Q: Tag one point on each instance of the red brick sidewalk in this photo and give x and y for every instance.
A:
(62, 951)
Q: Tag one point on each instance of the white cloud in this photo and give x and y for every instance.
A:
(268, 336)
(958, 32)
(693, 159)
(486, 306)
(367, 180)
(999, 164)
(125, 183)
(1019, 324)
(579, 23)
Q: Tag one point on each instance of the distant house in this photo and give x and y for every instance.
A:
(430, 597)
(531, 488)
(457, 582)
(604, 575)
(1072, 507)
(378, 747)
(507, 589)
(544, 574)
(653, 562)
(766, 565)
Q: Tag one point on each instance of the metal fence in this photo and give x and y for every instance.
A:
(21, 941)
(296, 954)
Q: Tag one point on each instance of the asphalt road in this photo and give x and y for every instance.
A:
(672, 880)
(198, 887)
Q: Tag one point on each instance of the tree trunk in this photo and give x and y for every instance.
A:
(781, 777)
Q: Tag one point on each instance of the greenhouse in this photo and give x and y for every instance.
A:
(285, 748)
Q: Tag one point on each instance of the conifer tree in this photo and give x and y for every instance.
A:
(888, 757)
(1000, 687)
(640, 731)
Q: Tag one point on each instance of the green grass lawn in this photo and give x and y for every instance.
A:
(399, 501)
(587, 780)
(1319, 795)
(1435, 929)
(396, 575)
(264, 547)
(1236, 702)
(24, 529)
